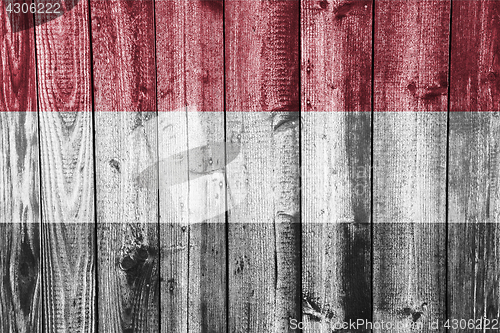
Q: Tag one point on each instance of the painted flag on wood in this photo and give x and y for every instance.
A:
(242, 165)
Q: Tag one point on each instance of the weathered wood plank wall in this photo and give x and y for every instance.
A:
(474, 201)
(336, 160)
(321, 127)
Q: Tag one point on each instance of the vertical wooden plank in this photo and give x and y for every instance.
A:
(336, 156)
(410, 130)
(171, 92)
(207, 235)
(474, 197)
(190, 66)
(66, 150)
(262, 99)
(123, 45)
(19, 178)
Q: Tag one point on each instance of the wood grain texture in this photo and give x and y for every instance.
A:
(125, 143)
(207, 239)
(67, 173)
(474, 196)
(190, 65)
(410, 123)
(17, 69)
(336, 161)
(19, 180)
(174, 221)
(19, 222)
(174, 151)
(262, 98)
(20, 266)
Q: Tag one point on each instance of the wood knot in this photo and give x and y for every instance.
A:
(412, 87)
(115, 164)
(171, 285)
(315, 311)
(27, 277)
(286, 121)
(492, 76)
(135, 257)
(414, 313)
(143, 254)
(127, 263)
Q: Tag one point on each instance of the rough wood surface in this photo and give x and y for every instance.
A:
(123, 42)
(67, 173)
(197, 119)
(19, 222)
(207, 196)
(474, 196)
(410, 123)
(336, 148)
(172, 139)
(20, 305)
(19, 180)
(190, 66)
(262, 100)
